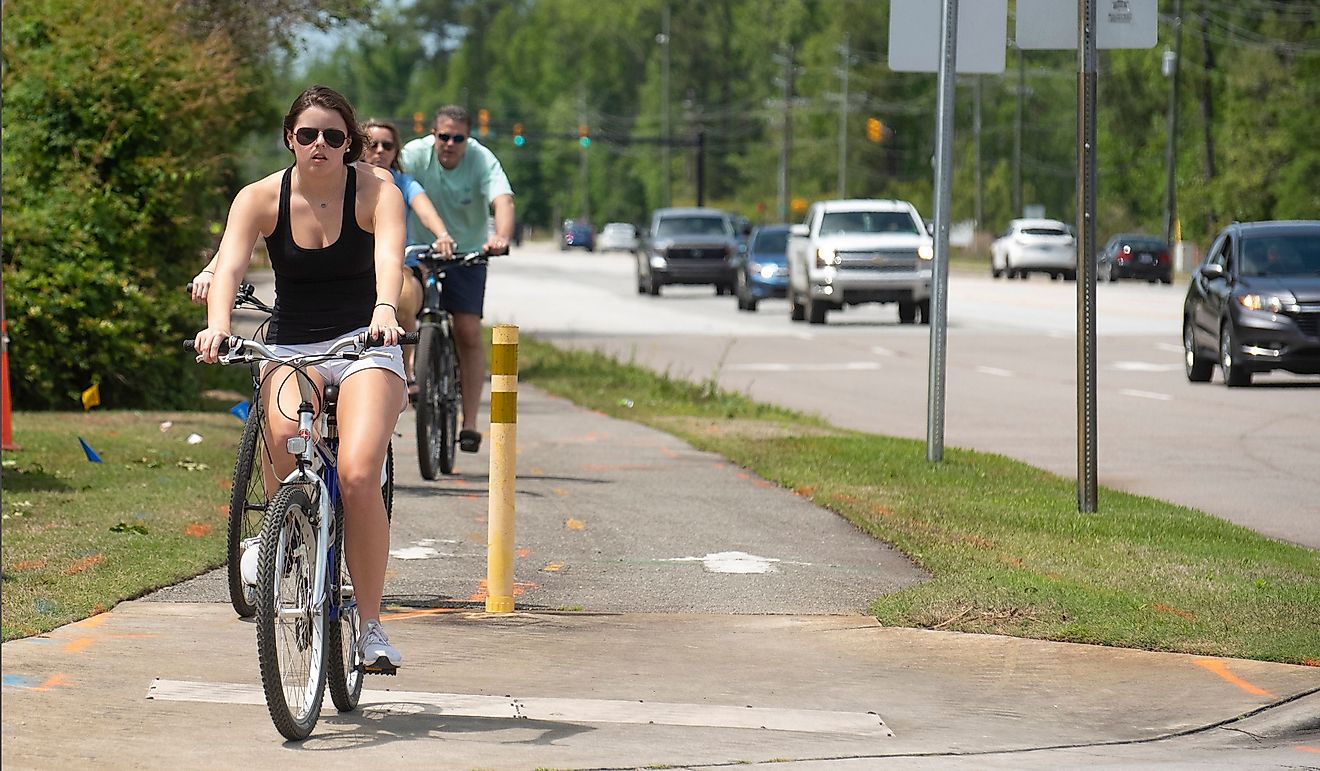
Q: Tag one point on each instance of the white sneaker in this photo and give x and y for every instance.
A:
(378, 656)
(247, 567)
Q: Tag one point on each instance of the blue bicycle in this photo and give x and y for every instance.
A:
(307, 618)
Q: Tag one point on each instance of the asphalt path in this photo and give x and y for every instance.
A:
(1250, 456)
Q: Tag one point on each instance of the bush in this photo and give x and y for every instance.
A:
(117, 122)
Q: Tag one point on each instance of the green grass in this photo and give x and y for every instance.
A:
(1007, 549)
(79, 537)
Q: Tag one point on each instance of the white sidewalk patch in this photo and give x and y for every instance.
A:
(414, 553)
(733, 562)
(558, 710)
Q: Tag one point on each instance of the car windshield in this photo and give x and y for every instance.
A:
(868, 222)
(1283, 255)
(619, 230)
(693, 226)
(772, 241)
(1043, 231)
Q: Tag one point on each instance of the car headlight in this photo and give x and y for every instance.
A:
(1262, 302)
(926, 252)
(767, 271)
(826, 256)
(658, 261)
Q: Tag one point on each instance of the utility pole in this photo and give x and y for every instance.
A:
(663, 39)
(786, 81)
(701, 167)
(1171, 155)
(976, 147)
(1017, 134)
(846, 52)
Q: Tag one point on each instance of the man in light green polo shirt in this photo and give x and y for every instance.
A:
(465, 181)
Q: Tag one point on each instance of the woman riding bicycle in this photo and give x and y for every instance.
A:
(382, 150)
(335, 234)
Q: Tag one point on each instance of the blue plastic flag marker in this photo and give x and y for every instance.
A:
(240, 410)
(91, 454)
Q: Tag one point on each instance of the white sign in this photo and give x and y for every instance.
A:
(1052, 24)
(914, 35)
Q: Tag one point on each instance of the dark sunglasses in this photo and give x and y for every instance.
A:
(457, 139)
(383, 144)
(333, 137)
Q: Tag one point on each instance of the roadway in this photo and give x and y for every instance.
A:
(1246, 455)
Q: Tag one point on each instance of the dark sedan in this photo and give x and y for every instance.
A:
(1254, 303)
(763, 271)
(1132, 255)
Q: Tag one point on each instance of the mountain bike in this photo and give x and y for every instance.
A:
(307, 619)
(435, 365)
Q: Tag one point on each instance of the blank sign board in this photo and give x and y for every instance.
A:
(1052, 24)
(914, 35)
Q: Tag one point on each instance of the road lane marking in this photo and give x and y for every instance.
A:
(562, 710)
(1144, 366)
(996, 371)
(846, 366)
(1145, 394)
(1170, 347)
(1221, 669)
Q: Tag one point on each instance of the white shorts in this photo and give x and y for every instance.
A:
(336, 371)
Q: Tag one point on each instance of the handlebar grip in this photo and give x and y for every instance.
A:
(408, 338)
(191, 345)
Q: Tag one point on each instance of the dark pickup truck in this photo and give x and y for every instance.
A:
(688, 246)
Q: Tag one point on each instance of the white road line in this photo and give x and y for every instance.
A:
(1145, 394)
(1144, 366)
(559, 710)
(996, 371)
(1170, 347)
(845, 366)
(879, 350)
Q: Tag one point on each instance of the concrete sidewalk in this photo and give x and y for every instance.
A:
(673, 611)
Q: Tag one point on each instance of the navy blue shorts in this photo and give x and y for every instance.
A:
(463, 289)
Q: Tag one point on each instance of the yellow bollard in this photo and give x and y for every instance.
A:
(503, 450)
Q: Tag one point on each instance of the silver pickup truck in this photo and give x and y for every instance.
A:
(859, 251)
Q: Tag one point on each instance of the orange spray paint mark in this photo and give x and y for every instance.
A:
(553, 567)
(197, 530)
(78, 645)
(26, 565)
(669, 453)
(84, 564)
(519, 588)
(561, 492)
(523, 552)
(54, 681)
(575, 524)
(1221, 669)
(418, 613)
(1308, 748)
(1184, 614)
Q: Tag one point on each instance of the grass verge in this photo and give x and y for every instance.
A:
(79, 537)
(1004, 542)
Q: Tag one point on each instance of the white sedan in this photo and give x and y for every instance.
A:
(1043, 246)
(618, 236)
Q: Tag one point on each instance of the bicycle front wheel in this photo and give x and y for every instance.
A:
(345, 673)
(450, 403)
(247, 506)
(430, 398)
(291, 625)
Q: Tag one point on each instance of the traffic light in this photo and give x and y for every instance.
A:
(584, 136)
(875, 130)
(518, 139)
(483, 122)
(417, 123)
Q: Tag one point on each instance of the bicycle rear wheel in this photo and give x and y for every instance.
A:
(291, 631)
(387, 486)
(247, 506)
(426, 368)
(344, 675)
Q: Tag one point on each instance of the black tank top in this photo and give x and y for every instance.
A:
(321, 294)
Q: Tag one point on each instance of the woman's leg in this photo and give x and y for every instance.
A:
(280, 398)
(367, 411)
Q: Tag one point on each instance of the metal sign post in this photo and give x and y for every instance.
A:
(1086, 184)
(940, 280)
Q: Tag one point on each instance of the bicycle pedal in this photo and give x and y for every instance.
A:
(381, 666)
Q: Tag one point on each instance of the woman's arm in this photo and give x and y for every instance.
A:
(201, 283)
(389, 231)
(231, 261)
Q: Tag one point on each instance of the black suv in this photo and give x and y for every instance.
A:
(688, 246)
(1254, 303)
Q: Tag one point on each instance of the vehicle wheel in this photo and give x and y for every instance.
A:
(291, 638)
(641, 285)
(995, 272)
(907, 312)
(1198, 368)
(816, 311)
(1055, 276)
(247, 506)
(1167, 278)
(1110, 276)
(923, 307)
(1235, 374)
(344, 670)
(652, 286)
(426, 367)
(1070, 275)
(795, 310)
(751, 304)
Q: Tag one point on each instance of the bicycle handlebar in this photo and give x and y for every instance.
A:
(425, 253)
(237, 346)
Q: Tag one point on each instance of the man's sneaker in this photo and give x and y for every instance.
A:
(378, 656)
(247, 568)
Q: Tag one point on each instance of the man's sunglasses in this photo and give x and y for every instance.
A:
(457, 139)
(333, 137)
(383, 144)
